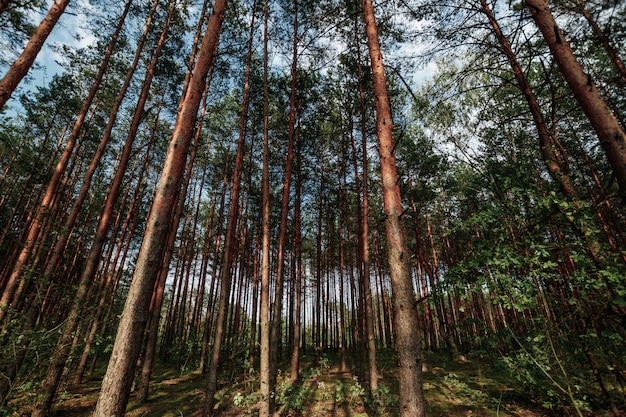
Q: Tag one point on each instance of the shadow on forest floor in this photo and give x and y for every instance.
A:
(450, 388)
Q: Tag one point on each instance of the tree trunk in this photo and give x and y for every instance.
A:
(157, 301)
(408, 344)
(365, 251)
(229, 255)
(604, 41)
(610, 133)
(317, 322)
(47, 201)
(62, 351)
(117, 380)
(275, 331)
(297, 279)
(24, 62)
(100, 309)
(264, 312)
(64, 234)
(214, 273)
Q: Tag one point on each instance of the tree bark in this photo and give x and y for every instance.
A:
(264, 311)
(117, 380)
(297, 279)
(408, 343)
(365, 250)
(610, 133)
(100, 309)
(157, 300)
(64, 234)
(275, 331)
(62, 350)
(24, 62)
(604, 41)
(229, 254)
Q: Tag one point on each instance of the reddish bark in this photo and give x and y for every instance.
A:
(46, 204)
(264, 307)
(229, 248)
(25, 61)
(55, 370)
(104, 221)
(604, 41)
(610, 133)
(408, 343)
(370, 339)
(297, 278)
(117, 380)
(275, 331)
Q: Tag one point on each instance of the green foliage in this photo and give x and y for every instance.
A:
(291, 397)
(539, 367)
(384, 400)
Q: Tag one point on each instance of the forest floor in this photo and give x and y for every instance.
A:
(471, 388)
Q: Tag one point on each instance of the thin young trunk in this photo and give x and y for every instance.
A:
(610, 133)
(317, 323)
(358, 329)
(64, 234)
(295, 353)
(100, 310)
(275, 331)
(252, 343)
(342, 265)
(604, 41)
(229, 250)
(24, 62)
(365, 251)
(264, 361)
(209, 313)
(408, 344)
(117, 380)
(204, 266)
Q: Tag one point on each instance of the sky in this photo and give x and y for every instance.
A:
(72, 29)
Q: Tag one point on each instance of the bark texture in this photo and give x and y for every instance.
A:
(117, 380)
(610, 133)
(25, 61)
(264, 359)
(408, 341)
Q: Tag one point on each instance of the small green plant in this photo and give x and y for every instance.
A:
(384, 399)
(239, 400)
(311, 373)
(355, 390)
(538, 366)
(324, 362)
(291, 397)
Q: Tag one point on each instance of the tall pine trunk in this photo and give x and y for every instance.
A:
(42, 211)
(229, 246)
(408, 343)
(24, 62)
(264, 310)
(275, 331)
(297, 278)
(157, 297)
(62, 350)
(117, 380)
(610, 133)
